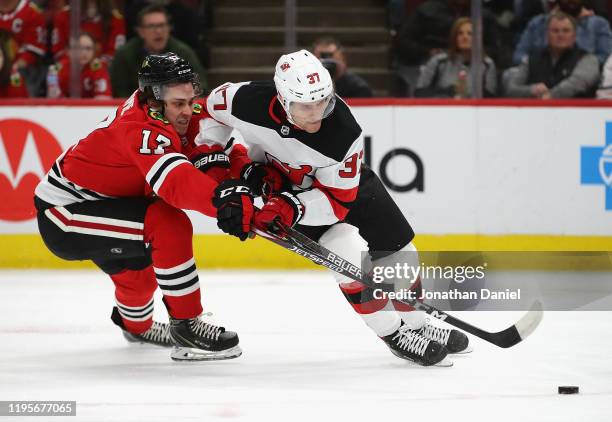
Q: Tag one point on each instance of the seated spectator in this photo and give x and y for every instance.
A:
(560, 70)
(447, 75)
(604, 92)
(153, 29)
(95, 79)
(425, 34)
(347, 83)
(12, 84)
(99, 18)
(593, 32)
(26, 23)
(191, 20)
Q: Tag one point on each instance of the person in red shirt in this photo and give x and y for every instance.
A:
(100, 19)
(95, 79)
(116, 198)
(26, 23)
(12, 84)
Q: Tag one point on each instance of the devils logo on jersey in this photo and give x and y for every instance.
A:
(294, 173)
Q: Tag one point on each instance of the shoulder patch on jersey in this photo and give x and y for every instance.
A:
(197, 108)
(95, 64)
(35, 7)
(16, 80)
(157, 115)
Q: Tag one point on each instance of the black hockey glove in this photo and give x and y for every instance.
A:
(234, 204)
(264, 179)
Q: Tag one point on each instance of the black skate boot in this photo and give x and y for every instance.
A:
(158, 334)
(196, 339)
(455, 341)
(409, 344)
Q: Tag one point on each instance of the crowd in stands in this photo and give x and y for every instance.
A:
(115, 35)
(532, 48)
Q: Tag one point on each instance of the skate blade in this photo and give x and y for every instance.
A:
(465, 351)
(195, 355)
(444, 363)
(133, 341)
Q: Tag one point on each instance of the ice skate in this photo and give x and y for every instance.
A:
(196, 339)
(158, 334)
(455, 341)
(409, 344)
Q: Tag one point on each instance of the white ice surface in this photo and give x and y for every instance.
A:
(307, 356)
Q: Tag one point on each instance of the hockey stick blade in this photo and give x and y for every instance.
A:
(302, 245)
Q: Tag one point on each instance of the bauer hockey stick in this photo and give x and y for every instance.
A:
(302, 245)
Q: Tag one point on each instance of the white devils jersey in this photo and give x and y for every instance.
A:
(324, 167)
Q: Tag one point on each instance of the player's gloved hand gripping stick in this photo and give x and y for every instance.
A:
(293, 240)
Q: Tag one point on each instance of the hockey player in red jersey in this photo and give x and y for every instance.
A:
(298, 130)
(115, 197)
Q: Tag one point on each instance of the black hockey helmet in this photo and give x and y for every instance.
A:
(158, 70)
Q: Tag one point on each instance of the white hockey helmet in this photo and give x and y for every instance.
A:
(301, 78)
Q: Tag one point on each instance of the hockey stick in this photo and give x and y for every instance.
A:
(295, 241)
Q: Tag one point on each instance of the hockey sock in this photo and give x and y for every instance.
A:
(134, 297)
(169, 232)
(378, 314)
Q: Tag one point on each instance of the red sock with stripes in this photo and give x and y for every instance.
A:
(170, 234)
(134, 295)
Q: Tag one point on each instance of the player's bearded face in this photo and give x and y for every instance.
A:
(308, 116)
(178, 110)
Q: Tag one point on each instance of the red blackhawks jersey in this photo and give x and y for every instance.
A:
(324, 167)
(27, 26)
(110, 41)
(95, 79)
(134, 152)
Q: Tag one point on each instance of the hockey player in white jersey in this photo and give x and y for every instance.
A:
(305, 152)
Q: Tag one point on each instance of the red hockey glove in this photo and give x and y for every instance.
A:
(285, 206)
(234, 204)
(211, 160)
(264, 180)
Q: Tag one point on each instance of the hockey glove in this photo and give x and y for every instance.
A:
(284, 206)
(234, 204)
(211, 160)
(264, 180)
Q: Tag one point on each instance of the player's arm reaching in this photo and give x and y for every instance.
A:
(168, 172)
(217, 129)
(169, 89)
(328, 201)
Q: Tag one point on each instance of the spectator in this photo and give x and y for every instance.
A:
(100, 19)
(11, 82)
(347, 83)
(425, 34)
(26, 23)
(153, 29)
(593, 32)
(561, 69)
(604, 91)
(191, 21)
(448, 74)
(95, 79)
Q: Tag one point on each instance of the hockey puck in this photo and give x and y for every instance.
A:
(568, 389)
